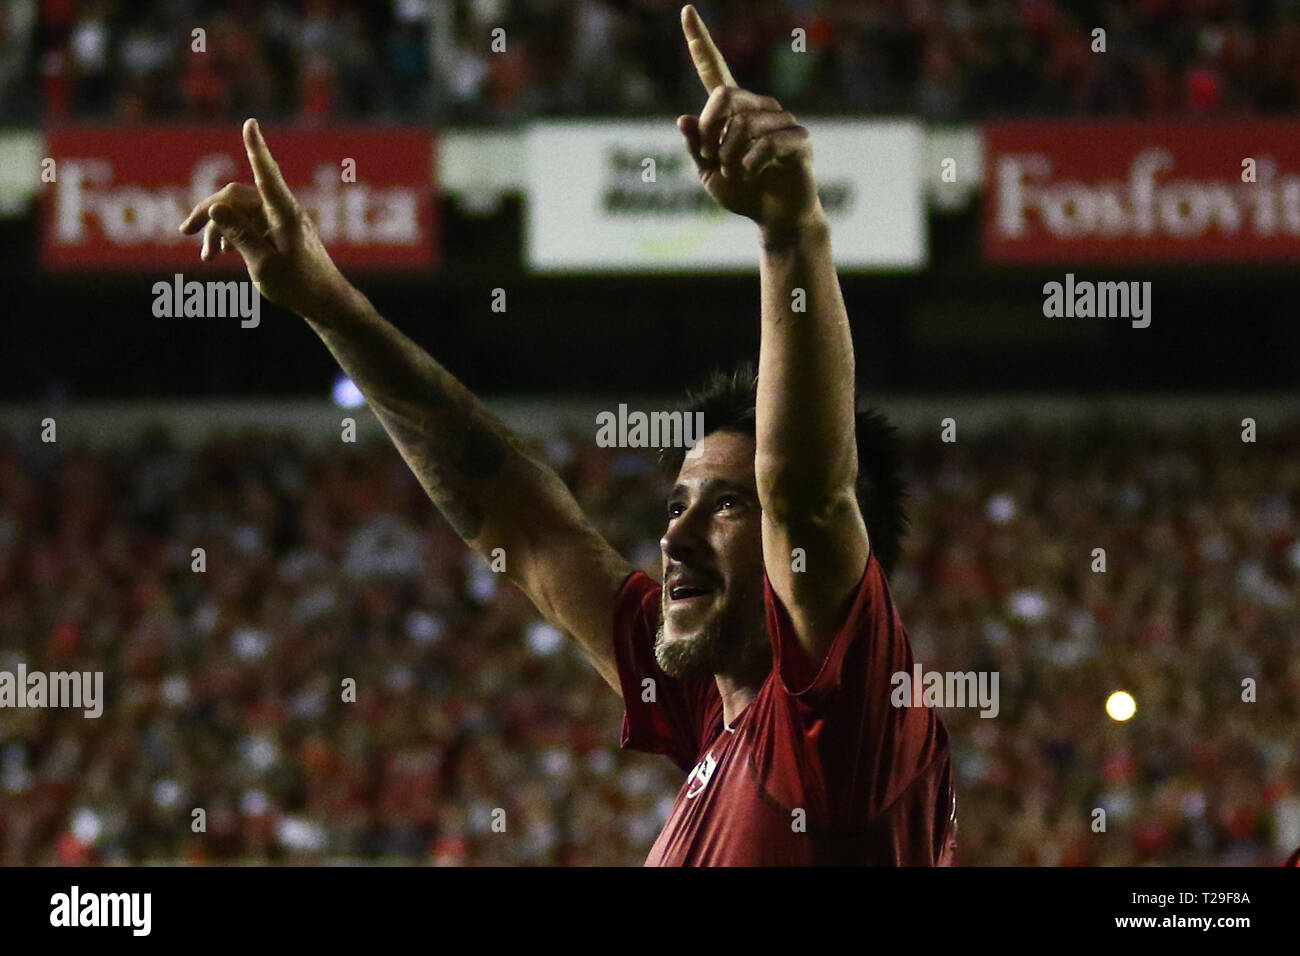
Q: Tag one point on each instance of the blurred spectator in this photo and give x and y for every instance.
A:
(228, 691)
(476, 60)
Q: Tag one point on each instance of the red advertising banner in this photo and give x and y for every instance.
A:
(118, 195)
(1142, 192)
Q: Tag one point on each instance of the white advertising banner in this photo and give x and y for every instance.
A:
(623, 196)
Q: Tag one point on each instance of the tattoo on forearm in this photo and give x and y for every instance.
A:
(483, 454)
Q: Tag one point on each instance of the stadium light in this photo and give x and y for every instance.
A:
(1121, 705)
(346, 393)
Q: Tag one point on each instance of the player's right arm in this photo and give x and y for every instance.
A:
(491, 489)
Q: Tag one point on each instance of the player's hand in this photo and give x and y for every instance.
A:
(752, 156)
(266, 225)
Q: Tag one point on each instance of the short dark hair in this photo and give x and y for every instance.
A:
(728, 402)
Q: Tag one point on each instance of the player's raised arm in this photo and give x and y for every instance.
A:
(755, 159)
(492, 491)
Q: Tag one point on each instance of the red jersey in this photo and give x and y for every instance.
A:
(819, 769)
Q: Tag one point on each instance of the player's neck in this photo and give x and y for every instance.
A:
(736, 696)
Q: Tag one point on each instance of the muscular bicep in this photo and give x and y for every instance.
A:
(815, 558)
(574, 578)
(557, 558)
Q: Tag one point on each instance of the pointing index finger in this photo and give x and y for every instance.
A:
(709, 63)
(266, 172)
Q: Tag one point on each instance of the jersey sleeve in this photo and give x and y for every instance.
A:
(872, 752)
(667, 715)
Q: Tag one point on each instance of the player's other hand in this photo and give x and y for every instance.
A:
(752, 156)
(266, 225)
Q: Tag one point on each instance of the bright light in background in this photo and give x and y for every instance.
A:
(1121, 705)
(346, 394)
(86, 825)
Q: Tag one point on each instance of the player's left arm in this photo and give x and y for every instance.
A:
(756, 160)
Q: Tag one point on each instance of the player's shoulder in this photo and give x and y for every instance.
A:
(870, 603)
(637, 604)
(638, 585)
(871, 593)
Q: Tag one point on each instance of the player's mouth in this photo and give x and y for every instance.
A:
(689, 590)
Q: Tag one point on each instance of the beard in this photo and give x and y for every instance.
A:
(721, 646)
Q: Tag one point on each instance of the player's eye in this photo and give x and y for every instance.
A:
(675, 508)
(728, 502)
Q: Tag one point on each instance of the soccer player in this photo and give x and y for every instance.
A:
(763, 665)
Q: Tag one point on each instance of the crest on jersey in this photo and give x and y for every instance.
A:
(700, 776)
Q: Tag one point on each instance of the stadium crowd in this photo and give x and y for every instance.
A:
(475, 734)
(435, 60)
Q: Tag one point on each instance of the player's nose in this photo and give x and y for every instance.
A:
(684, 538)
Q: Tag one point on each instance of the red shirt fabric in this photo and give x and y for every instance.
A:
(820, 769)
